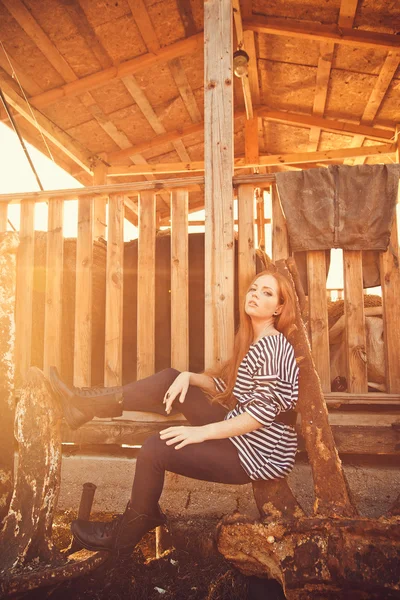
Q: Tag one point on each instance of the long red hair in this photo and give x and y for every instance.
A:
(245, 335)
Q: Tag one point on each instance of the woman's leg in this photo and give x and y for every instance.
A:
(148, 394)
(212, 460)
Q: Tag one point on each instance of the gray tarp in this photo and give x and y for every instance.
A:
(339, 207)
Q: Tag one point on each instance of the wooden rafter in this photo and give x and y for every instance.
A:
(322, 33)
(270, 160)
(129, 67)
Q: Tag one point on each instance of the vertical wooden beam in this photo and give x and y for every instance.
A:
(390, 282)
(356, 343)
(179, 280)
(146, 285)
(260, 218)
(280, 237)
(114, 291)
(83, 293)
(100, 203)
(247, 255)
(24, 296)
(3, 216)
(316, 269)
(218, 154)
(54, 286)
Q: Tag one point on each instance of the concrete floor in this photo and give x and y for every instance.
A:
(373, 488)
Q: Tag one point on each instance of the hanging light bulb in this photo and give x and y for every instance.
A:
(240, 63)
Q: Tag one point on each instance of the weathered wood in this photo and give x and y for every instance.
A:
(54, 285)
(316, 269)
(331, 492)
(179, 281)
(246, 250)
(114, 291)
(3, 217)
(8, 257)
(356, 343)
(100, 204)
(275, 500)
(280, 236)
(259, 193)
(83, 294)
(23, 306)
(146, 285)
(218, 160)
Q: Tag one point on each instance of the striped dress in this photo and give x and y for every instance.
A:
(266, 385)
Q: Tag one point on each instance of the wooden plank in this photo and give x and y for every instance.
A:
(336, 399)
(24, 294)
(247, 255)
(321, 89)
(185, 90)
(100, 203)
(347, 13)
(144, 24)
(146, 285)
(260, 219)
(356, 343)
(319, 32)
(319, 334)
(114, 291)
(381, 86)
(280, 236)
(218, 159)
(83, 294)
(3, 216)
(179, 281)
(54, 287)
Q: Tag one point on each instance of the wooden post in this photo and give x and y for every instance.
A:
(100, 203)
(83, 293)
(260, 218)
(23, 306)
(247, 255)
(356, 343)
(280, 237)
(179, 280)
(54, 282)
(3, 216)
(390, 282)
(218, 164)
(146, 285)
(316, 269)
(114, 291)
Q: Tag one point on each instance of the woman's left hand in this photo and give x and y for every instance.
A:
(183, 436)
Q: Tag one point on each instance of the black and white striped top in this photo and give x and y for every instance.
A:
(266, 385)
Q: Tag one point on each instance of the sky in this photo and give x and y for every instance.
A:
(16, 176)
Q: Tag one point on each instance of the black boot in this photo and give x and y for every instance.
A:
(120, 535)
(80, 405)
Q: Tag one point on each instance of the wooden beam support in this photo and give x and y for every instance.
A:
(321, 89)
(100, 204)
(247, 254)
(83, 294)
(129, 67)
(146, 285)
(114, 292)
(347, 13)
(179, 280)
(322, 33)
(280, 236)
(218, 159)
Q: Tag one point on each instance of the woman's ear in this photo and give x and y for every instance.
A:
(278, 310)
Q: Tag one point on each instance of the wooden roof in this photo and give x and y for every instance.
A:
(122, 82)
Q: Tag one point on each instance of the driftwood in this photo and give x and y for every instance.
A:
(333, 552)
(28, 557)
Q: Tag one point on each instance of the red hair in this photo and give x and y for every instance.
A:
(245, 335)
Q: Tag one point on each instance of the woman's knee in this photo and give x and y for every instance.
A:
(152, 447)
(170, 374)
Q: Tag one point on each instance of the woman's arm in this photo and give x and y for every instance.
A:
(181, 384)
(185, 435)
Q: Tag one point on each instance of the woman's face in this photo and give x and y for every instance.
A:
(262, 299)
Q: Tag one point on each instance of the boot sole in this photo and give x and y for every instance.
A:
(89, 547)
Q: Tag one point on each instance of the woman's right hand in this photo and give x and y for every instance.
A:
(178, 388)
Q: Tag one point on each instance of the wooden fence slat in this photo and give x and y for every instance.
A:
(179, 280)
(24, 295)
(54, 284)
(100, 205)
(146, 285)
(316, 269)
(218, 164)
(390, 282)
(356, 343)
(260, 218)
(247, 255)
(114, 292)
(280, 237)
(83, 294)
(3, 216)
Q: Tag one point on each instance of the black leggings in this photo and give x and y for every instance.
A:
(212, 460)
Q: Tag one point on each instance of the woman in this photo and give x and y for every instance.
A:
(237, 431)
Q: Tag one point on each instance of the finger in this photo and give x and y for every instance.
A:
(182, 396)
(175, 440)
